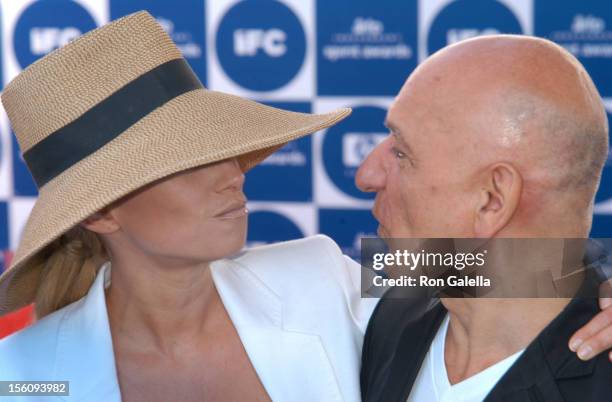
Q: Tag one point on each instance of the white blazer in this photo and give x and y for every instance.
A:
(296, 306)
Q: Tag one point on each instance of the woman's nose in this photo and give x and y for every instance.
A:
(232, 177)
(371, 174)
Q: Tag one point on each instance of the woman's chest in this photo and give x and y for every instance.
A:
(224, 375)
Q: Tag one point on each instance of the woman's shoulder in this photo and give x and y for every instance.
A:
(30, 352)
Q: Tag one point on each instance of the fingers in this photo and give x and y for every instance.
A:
(595, 337)
(605, 294)
(596, 344)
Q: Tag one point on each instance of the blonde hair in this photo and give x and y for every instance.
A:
(68, 269)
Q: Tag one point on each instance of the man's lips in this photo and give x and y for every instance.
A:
(376, 215)
(382, 230)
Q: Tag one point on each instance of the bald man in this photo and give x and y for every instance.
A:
(499, 136)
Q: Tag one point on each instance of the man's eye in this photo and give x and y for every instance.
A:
(397, 153)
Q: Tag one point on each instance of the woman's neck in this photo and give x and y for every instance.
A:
(153, 308)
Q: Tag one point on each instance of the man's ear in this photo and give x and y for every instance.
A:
(499, 198)
(102, 222)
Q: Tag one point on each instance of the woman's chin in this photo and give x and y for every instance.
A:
(229, 244)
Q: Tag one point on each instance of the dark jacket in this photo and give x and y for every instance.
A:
(400, 333)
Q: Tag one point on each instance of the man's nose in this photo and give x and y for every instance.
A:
(232, 177)
(371, 174)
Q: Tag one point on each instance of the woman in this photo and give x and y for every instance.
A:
(140, 175)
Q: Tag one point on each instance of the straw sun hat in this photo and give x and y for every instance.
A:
(114, 110)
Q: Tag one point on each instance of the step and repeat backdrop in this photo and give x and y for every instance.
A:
(303, 55)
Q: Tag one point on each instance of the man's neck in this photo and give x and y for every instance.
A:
(482, 332)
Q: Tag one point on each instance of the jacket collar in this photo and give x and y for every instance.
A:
(85, 350)
(279, 347)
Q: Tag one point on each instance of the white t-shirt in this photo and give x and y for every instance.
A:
(432, 385)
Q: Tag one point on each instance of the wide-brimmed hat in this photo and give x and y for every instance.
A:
(114, 110)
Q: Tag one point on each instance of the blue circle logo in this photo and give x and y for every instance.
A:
(271, 227)
(261, 44)
(463, 19)
(346, 145)
(46, 25)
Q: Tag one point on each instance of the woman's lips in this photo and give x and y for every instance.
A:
(234, 211)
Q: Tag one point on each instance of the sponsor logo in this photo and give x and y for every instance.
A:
(367, 40)
(261, 45)
(357, 146)
(464, 19)
(247, 42)
(286, 175)
(583, 29)
(289, 155)
(346, 145)
(183, 39)
(588, 24)
(183, 22)
(46, 25)
(457, 35)
(360, 39)
(586, 37)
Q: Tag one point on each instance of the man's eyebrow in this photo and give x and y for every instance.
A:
(397, 135)
(401, 140)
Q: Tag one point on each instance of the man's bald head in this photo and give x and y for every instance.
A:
(518, 99)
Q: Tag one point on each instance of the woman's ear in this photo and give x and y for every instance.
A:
(102, 222)
(498, 200)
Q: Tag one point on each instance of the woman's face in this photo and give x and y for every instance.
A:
(195, 214)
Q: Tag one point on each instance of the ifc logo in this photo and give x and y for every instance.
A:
(46, 25)
(261, 44)
(464, 19)
(346, 145)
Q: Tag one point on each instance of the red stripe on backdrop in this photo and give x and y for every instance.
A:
(19, 319)
(16, 320)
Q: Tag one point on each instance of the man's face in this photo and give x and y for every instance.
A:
(420, 173)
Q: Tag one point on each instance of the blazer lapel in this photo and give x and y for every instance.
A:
(528, 380)
(292, 365)
(85, 355)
